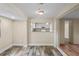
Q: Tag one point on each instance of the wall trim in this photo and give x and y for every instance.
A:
(17, 44)
(40, 44)
(3, 49)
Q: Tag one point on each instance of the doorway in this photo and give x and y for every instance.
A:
(66, 31)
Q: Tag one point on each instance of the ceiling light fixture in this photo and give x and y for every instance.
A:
(40, 10)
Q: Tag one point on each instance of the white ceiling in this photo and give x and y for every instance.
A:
(20, 11)
(73, 14)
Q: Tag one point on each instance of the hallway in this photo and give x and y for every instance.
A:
(71, 49)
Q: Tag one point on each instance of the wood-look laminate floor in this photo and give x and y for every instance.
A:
(31, 51)
(71, 49)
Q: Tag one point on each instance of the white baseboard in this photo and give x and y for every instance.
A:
(3, 49)
(62, 52)
(20, 45)
(40, 44)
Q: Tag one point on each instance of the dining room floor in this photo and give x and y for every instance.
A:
(31, 51)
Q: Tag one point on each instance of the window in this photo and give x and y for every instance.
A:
(41, 27)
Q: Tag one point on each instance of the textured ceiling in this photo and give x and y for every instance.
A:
(73, 14)
(20, 11)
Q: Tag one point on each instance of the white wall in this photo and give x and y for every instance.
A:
(76, 31)
(41, 38)
(73, 31)
(6, 33)
(20, 33)
(15, 32)
(61, 31)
